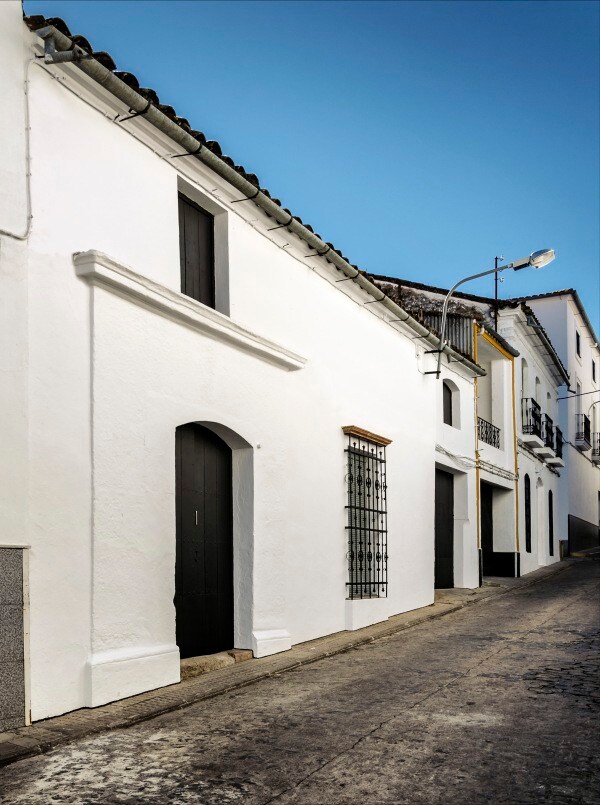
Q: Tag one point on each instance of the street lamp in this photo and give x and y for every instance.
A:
(537, 259)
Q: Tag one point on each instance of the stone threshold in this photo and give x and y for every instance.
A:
(43, 736)
(204, 664)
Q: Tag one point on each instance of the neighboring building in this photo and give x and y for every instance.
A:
(519, 446)
(567, 324)
(216, 431)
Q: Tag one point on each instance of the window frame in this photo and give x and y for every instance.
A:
(366, 521)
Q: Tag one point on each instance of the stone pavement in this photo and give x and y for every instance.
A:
(45, 735)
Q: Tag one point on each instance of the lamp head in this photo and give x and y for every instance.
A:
(536, 260)
(542, 258)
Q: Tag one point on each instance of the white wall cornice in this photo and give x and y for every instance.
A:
(101, 270)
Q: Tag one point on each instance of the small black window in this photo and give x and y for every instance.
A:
(578, 343)
(367, 518)
(527, 483)
(447, 403)
(594, 371)
(196, 252)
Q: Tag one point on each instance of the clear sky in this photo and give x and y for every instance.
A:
(421, 138)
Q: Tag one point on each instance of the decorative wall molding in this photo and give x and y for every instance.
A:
(101, 270)
(354, 430)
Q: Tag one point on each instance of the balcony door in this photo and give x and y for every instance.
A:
(444, 529)
(204, 546)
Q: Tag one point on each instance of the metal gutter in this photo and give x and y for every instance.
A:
(59, 43)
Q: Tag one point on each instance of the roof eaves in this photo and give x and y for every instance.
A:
(102, 69)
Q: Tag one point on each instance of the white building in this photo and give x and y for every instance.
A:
(517, 447)
(217, 432)
(564, 318)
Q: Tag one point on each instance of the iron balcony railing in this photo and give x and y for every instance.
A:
(548, 431)
(532, 417)
(558, 442)
(488, 433)
(583, 429)
(596, 445)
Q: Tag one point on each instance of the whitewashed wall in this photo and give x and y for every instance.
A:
(580, 485)
(455, 453)
(513, 326)
(108, 380)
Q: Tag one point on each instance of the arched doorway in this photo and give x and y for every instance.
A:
(204, 542)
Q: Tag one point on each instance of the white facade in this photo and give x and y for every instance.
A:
(567, 325)
(105, 358)
(536, 375)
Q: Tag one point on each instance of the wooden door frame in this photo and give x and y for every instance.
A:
(242, 465)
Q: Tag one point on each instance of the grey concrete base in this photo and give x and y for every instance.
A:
(195, 666)
(45, 735)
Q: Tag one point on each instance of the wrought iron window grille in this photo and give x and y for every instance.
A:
(367, 518)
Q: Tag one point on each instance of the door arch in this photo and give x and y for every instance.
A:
(204, 542)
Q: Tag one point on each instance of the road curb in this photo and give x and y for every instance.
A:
(46, 735)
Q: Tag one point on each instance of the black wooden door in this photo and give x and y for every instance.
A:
(486, 498)
(196, 252)
(444, 529)
(204, 549)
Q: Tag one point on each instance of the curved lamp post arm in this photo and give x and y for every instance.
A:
(445, 308)
(536, 260)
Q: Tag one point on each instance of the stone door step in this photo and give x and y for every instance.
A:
(195, 666)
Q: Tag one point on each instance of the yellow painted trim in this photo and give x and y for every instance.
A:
(514, 405)
(491, 340)
(477, 484)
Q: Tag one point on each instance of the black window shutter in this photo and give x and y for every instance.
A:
(196, 251)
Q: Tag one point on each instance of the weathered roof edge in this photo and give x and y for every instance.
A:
(210, 154)
(564, 292)
(542, 335)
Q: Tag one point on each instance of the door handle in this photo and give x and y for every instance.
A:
(196, 516)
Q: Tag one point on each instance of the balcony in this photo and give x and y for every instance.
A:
(547, 448)
(583, 436)
(531, 422)
(596, 448)
(488, 433)
(557, 459)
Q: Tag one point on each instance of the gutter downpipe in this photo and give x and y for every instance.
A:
(58, 42)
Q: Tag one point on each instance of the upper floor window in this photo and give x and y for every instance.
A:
(450, 403)
(197, 252)
(577, 343)
(447, 403)
(594, 371)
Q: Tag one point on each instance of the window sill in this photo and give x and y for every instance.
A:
(101, 270)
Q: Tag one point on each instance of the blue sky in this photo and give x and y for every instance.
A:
(421, 138)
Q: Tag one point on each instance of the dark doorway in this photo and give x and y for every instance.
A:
(444, 529)
(204, 548)
(486, 502)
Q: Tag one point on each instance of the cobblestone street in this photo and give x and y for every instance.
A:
(497, 703)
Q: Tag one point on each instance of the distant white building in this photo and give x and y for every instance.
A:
(518, 447)
(566, 322)
(216, 431)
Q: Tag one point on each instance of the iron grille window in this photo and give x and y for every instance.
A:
(367, 518)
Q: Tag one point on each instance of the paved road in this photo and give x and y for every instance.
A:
(496, 703)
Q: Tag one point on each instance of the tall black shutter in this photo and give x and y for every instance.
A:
(196, 252)
(551, 523)
(527, 514)
(447, 403)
